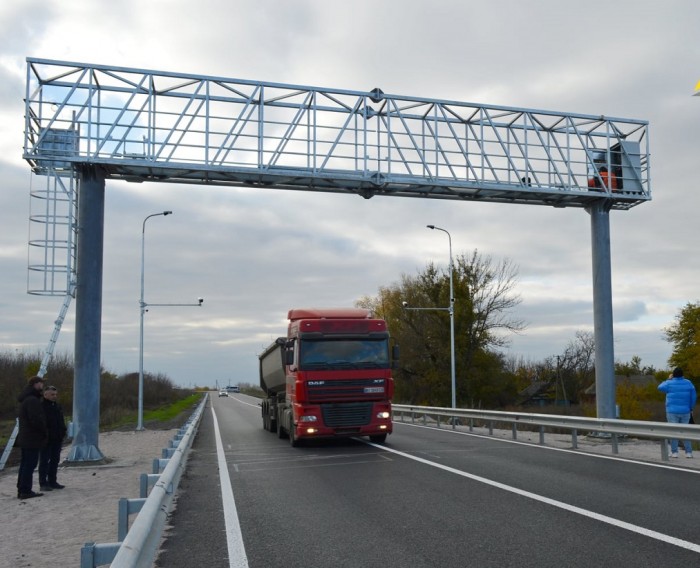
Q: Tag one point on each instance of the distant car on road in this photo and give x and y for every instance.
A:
(223, 393)
(235, 388)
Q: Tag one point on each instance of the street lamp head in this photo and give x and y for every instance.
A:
(430, 226)
(200, 300)
(167, 212)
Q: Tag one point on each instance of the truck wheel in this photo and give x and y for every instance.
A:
(378, 438)
(293, 441)
(273, 425)
(280, 431)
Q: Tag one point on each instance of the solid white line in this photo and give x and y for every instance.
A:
(555, 449)
(571, 508)
(234, 538)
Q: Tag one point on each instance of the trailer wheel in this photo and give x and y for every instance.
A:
(266, 415)
(378, 438)
(273, 425)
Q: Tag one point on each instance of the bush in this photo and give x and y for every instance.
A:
(118, 394)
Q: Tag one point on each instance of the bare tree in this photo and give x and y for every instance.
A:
(484, 294)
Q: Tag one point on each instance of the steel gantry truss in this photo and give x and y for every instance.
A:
(96, 122)
(144, 125)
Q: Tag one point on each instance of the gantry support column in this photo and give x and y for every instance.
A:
(88, 317)
(602, 310)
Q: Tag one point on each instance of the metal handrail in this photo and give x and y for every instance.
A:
(638, 428)
(141, 543)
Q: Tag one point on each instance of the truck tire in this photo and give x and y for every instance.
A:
(280, 430)
(273, 425)
(293, 440)
(265, 410)
(378, 438)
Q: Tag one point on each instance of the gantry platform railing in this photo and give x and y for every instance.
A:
(141, 125)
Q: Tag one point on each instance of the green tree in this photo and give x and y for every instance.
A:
(634, 367)
(484, 295)
(684, 334)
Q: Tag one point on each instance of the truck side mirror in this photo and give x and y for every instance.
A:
(289, 356)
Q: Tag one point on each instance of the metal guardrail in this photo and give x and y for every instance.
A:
(575, 424)
(138, 545)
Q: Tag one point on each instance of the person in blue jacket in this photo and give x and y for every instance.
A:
(680, 400)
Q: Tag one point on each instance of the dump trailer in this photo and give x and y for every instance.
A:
(329, 377)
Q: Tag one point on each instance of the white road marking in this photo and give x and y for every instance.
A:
(554, 449)
(559, 504)
(234, 538)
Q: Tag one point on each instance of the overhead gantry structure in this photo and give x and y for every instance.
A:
(96, 122)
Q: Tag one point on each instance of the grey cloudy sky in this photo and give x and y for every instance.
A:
(253, 254)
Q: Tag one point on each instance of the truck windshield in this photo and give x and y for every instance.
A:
(344, 353)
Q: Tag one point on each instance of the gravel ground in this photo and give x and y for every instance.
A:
(51, 530)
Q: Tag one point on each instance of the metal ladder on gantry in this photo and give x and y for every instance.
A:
(104, 122)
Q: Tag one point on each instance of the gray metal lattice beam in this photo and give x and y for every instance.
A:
(143, 125)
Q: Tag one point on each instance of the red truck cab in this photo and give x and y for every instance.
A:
(337, 376)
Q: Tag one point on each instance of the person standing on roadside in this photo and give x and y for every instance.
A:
(680, 400)
(32, 436)
(50, 455)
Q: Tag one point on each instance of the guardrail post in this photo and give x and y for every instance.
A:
(438, 420)
(122, 518)
(425, 419)
(92, 555)
(541, 435)
(490, 428)
(574, 439)
(125, 508)
(87, 555)
(664, 450)
(471, 424)
(146, 481)
(514, 429)
(159, 465)
(615, 449)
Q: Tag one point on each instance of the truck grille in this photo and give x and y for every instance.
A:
(348, 414)
(346, 389)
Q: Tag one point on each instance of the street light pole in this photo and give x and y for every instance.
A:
(452, 317)
(142, 306)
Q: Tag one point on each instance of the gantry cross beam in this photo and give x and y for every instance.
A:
(142, 125)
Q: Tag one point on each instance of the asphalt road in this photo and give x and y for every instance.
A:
(428, 498)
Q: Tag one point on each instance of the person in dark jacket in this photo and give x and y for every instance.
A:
(50, 455)
(32, 435)
(680, 400)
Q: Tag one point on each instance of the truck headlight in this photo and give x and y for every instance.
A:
(384, 414)
(308, 418)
